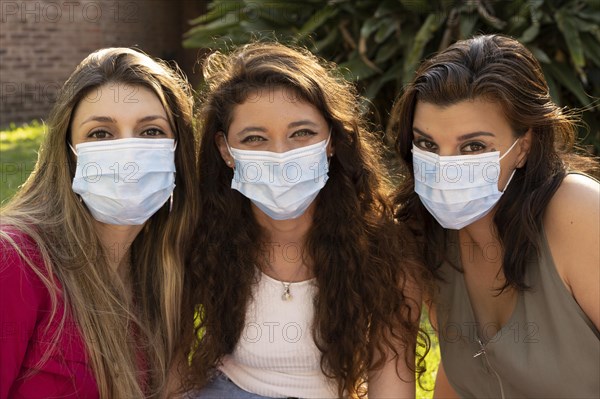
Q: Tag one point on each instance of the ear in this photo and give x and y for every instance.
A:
(222, 146)
(524, 146)
(330, 150)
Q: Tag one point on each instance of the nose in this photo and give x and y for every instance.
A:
(447, 151)
(279, 145)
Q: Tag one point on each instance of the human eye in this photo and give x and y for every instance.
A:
(153, 132)
(99, 134)
(473, 147)
(252, 139)
(304, 133)
(425, 144)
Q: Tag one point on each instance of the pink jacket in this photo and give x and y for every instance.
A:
(25, 311)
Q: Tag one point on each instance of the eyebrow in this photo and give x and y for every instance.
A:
(105, 119)
(250, 129)
(108, 119)
(261, 129)
(418, 131)
(302, 122)
(459, 138)
(152, 118)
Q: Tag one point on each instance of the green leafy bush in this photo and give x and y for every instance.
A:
(380, 43)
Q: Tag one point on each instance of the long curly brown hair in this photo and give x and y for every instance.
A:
(361, 259)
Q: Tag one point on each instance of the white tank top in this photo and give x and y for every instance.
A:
(276, 355)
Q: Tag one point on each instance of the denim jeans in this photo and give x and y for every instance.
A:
(222, 387)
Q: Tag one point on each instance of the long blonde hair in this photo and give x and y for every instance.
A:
(49, 212)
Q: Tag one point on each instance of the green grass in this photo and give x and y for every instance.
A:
(18, 154)
(432, 362)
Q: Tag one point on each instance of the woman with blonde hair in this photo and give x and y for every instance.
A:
(302, 283)
(93, 242)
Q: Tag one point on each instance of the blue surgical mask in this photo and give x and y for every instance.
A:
(125, 181)
(282, 185)
(458, 190)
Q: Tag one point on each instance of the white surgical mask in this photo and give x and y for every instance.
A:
(282, 185)
(125, 181)
(458, 190)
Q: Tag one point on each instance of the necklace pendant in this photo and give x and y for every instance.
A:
(286, 296)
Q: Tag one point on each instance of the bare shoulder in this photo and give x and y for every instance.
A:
(572, 225)
(574, 207)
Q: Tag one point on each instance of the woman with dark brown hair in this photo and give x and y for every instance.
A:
(508, 222)
(301, 277)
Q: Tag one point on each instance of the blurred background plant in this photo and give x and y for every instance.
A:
(378, 44)
(18, 153)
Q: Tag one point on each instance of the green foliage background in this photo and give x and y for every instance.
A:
(380, 43)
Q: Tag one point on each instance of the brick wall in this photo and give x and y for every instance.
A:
(41, 42)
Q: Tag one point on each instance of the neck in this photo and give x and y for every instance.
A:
(482, 235)
(285, 241)
(116, 242)
(285, 231)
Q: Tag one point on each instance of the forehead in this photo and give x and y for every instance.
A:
(461, 118)
(273, 106)
(120, 101)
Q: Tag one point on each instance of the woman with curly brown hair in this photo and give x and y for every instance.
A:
(301, 278)
(509, 224)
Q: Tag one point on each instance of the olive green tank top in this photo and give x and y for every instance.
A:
(549, 348)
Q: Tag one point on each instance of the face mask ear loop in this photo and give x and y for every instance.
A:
(510, 149)
(514, 170)
(72, 149)
(75, 152)
(329, 156)
(171, 197)
(228, 149)
(509, 179)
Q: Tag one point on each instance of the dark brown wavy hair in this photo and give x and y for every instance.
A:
(361, 258)
(499, 69)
